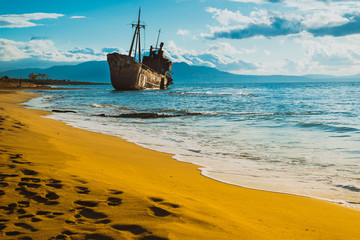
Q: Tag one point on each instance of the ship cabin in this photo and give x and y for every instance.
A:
(157, 61)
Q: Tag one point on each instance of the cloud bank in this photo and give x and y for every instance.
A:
(77, 17)
(44, 49)
(25, 20)
(317, 17)
(222, 56)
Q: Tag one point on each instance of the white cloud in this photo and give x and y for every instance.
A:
(334, 53)
(77, 17)
(25, 20)
(225, 17)
(43, 49)
(222, 56)
(289, 17)
(325, 55)
(306, 5)
(250, 1)
(267, 53)
(9, 50)
(182, 32)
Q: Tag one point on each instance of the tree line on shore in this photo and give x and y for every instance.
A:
(44, 79)
(32, 76)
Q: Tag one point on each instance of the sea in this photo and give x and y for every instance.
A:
(295, 138)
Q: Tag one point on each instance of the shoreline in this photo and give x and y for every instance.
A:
(206, 172)
(203, 170)
(198, 207)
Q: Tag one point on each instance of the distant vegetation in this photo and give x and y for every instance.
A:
(42, 76)
(37, 80)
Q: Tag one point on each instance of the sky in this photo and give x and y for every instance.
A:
(263, 37)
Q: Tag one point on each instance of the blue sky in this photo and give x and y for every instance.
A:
(241, 36)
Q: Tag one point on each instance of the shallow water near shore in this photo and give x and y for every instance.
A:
(298, 138)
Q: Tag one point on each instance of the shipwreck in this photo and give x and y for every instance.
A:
(131, 72)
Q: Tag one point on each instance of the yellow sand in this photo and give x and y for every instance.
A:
(165, 198)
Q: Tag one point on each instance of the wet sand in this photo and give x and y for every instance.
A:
(59, 182)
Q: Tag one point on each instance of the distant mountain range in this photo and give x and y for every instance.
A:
(98, 71)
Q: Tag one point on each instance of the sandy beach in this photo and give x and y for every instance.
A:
(60, 182)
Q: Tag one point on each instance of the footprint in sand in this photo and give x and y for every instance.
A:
(51, 195)
(43, 212)
(114, 201)
(15, 156)
(18, 159)
(91, 214)
(104, 221)
(26, 226)
(26, 216)
(51, 203)
(34, 196)
(39, 199)
(9, 208)
(87, 203)
(35, 219)
(159, 212)
(81, 181)
(29, 185)
(2, 175)
(26, 193)
(161, 201)
(21, 211)
(82, 190)
(31, 179)
(54, 183)
(3, 184)
(173, 205)
(29, 172)
(20, 162)
(2, 226)
(12, 233)
(115, 192)
(134, 229)
(154, 199)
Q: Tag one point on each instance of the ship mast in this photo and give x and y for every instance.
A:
(157, 41)
(136, 38)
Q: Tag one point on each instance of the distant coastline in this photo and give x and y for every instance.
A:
(18, 83)
(98, 71)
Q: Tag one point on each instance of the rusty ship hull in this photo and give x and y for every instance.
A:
(149, 72)
(127, 74)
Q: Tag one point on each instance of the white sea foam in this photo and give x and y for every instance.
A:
(237, 171)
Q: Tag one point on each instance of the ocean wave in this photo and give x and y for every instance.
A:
(51, 98)
(209, 93)
(349, 187)
(63, 111)
(146, 115)
(328, 128)
(167, 113)
(95, 105)
(275, 113)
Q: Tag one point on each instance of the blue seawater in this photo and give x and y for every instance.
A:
(298, 138)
